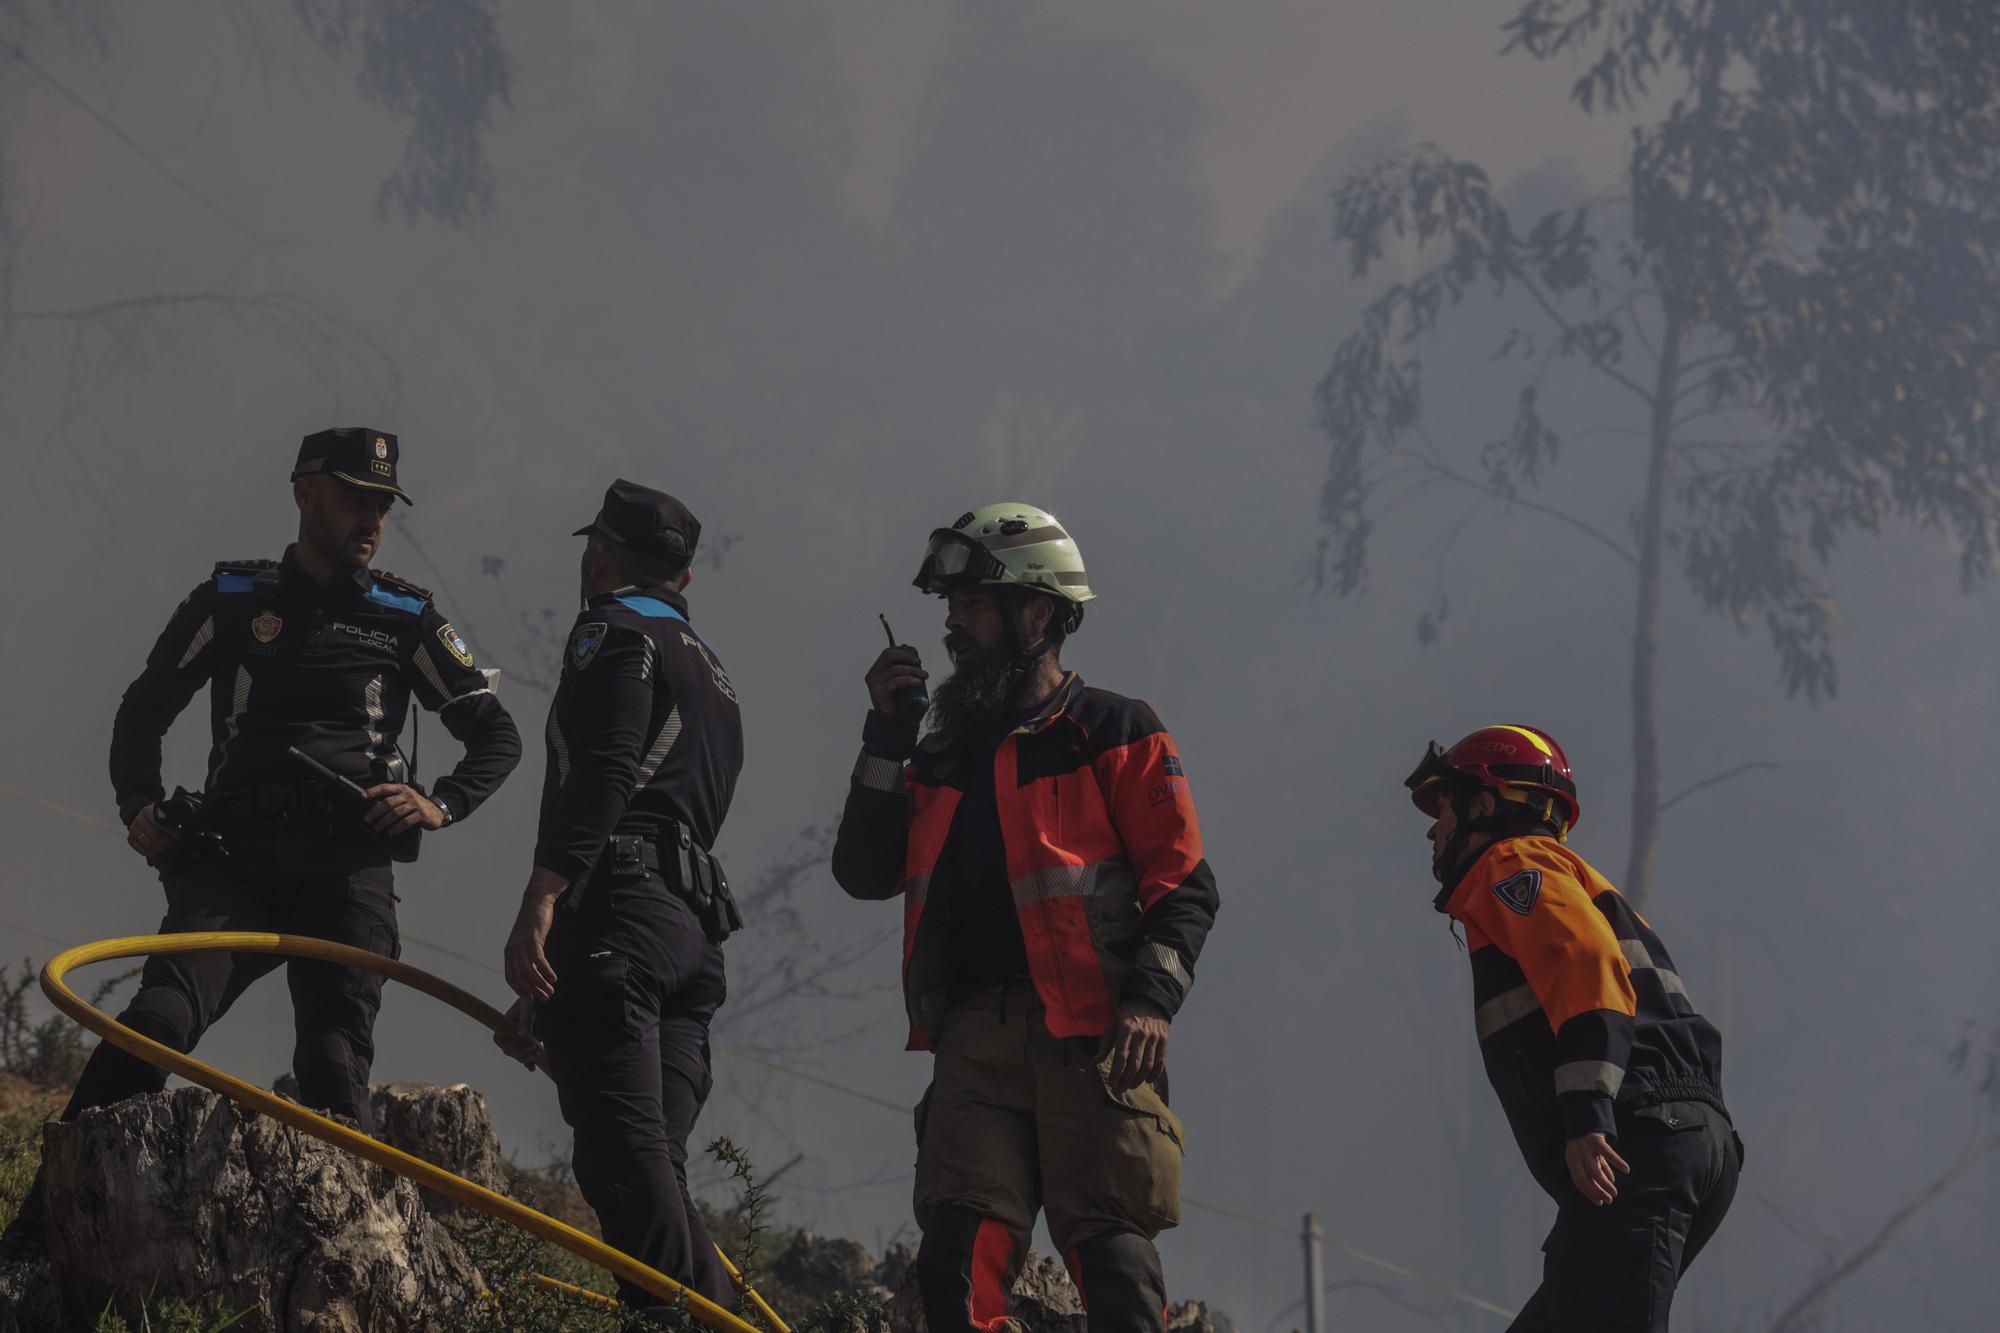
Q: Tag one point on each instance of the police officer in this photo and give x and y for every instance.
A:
(616, 952)
(314, 651)
(1610, 1078)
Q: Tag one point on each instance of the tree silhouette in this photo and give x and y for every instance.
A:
(1792, 292)
(438, 67)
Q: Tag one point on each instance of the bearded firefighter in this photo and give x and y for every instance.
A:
(1055, 902)
(1611, 1081)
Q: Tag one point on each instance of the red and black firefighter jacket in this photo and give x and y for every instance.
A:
(1576, 1002)
(1103, 855)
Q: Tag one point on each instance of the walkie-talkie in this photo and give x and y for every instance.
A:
(402, 846)
(912, 701)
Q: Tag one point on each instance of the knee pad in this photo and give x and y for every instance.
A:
(966, 1265)
(1118, 1274)
(164, 1014)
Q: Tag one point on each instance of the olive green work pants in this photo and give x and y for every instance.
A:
(1018, 1121)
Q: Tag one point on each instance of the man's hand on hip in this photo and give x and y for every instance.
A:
(1591, 1159)
(147, 836)
(1136, 1045)
(399, 806)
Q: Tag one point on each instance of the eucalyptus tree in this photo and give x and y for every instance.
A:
(1793, 290)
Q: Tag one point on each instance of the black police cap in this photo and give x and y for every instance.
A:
(641, 519)
(353, 454)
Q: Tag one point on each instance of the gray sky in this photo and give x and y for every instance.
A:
(836, 275)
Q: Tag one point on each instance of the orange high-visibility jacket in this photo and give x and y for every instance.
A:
(1578, 1008)
(1104, 855)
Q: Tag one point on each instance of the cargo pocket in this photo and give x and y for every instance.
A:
(1139, 1168)
(1614, 1274)
(595, 993)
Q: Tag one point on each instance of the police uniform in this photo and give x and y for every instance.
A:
(330, 672)
(644, 744)
(1585, 1027)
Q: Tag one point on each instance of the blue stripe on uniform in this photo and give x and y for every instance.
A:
(400, 601)
(235, 582)
(653, 608)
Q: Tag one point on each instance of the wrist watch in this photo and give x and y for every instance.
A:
(444, 807)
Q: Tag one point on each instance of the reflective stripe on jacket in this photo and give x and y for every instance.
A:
(1576, 1002)
(1104, 855)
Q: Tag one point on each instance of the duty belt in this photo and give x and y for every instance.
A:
(264, 802)
(689, 870)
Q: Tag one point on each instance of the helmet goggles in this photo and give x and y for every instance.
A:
(954, 560)
(1432, 778)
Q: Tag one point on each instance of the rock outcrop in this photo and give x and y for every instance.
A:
(186, 1194)
(812, 1269)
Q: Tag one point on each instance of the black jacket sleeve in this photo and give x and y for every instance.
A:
(444, 679)
(603, 714)
(1145, 787)
(181, 662)
(874, 836)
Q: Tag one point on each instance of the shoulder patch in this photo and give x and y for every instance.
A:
(239, 575)
(1517, 892)
(584, 643)
(400, 584)
(455, 644)
(382, 596)
(653, 608)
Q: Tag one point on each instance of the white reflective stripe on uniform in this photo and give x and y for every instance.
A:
(1168, 959)
(670, 731)
(197, 643)
(372, 700)
(1640, 959)
(878, 774)
(561, 747)
(1503, 1011)
(1098, 878)
(1589, 1076)
(239, 704)
(430, 673)
(469, 694)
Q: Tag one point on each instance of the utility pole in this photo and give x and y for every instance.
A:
(1315, 1245)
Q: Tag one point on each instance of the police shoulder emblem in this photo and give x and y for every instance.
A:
(266, 627)
(1517, 892)
(583, 644)
(455, 644)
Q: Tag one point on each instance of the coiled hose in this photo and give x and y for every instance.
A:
(455, 1187)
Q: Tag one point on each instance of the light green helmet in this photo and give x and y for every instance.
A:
(1011, 545)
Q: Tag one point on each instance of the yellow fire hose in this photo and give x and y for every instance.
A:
(340, 1136)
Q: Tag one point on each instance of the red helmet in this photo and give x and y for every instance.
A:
(1515, 763)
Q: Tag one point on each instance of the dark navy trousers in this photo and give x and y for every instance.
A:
(637, 984)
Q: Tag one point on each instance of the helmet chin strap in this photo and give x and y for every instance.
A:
(1453, 864)
(1020, 655)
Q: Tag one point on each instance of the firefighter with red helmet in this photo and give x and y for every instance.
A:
(1609, 1077)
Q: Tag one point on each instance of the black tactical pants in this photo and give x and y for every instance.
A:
(637, 983)
(1613, 1269)
(333, 1007)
